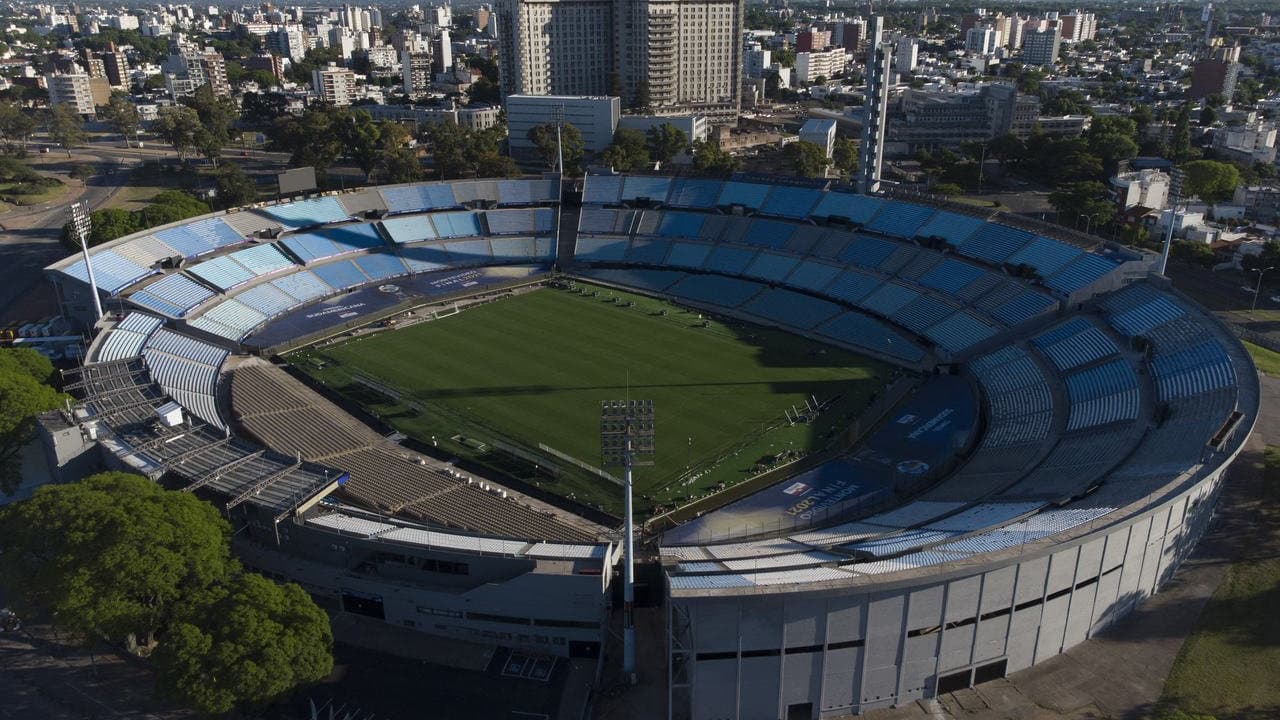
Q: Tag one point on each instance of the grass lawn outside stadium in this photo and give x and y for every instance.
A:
(532, 369)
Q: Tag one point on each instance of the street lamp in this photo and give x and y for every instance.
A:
(1258, 288)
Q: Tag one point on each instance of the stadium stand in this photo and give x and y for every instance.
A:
(307, 213)
(951, 227)
(900, 219)
(383, 265)
(790, 202)
(228, 271)
(173, 295)
(456, 224)
(330, 242)
(417, 198)
(230, 319)
(715, 290)
(112, 271)
(857, 209)
(857, 330)
(637, 187)
(601, 189)
(994, 243)
(127, 338)
(747, 195)
(340, 275)
(200, 237)
(690, 193)
(409, 229)
(791, 309)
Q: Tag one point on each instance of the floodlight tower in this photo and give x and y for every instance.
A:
(627, 440)
(557, 115)
(80, 225)
(874, 108)
(1175, 190)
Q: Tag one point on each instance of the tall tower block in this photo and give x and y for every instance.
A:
(874, 108)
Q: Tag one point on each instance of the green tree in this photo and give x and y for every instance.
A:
(710, 160)
(543, 138)
(844, 155)
(234, 187)
(111, 223)
(806, 159)
(484, 92)
(1142, 118)
(1180, 142)
(784, 58)
(114, 555)
(177, 125)
(1193, 253)
(628, 151)
(15, 127)
(66, 127)
(264, 79)
(1113, 138)
(217, 116)
(251, 643)
(263, 108)
(24, 393)
(122, 116)
(1085, 199)
(1007, 148)
(1209, 179)
(666, 141)
(170, 206)
(362, 139)
(397, 161)
(313, 139)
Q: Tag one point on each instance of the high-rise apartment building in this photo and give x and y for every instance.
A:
(1040, 47)
(334, 84)
(415, 69)
(980, 40)
(669, 56)
(820, 64)
(907, 55)
(116, 66)
(190, 67)
(71, 89)
(1216, 75)
(875, 108)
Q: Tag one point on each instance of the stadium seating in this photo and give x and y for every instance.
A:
(145, 251)
(1079, 273)
(601, 249)
(852, 285)
(112, 271)
(456, 224)
(228, 271)
(648, 251)
(951, 227)
(340, 275)
(748, 195)
(1045, 255)
(813, 275)
(994, 243)
(636, 187)
(688, 255)
(690, 193)
(652, 280)
(303, 285)
(601, 189)
(771, 266)
(1102, 394)
(187, 369)
(1138, 309)
(519, 250)
(768, 233)
(127, 338)
(599, 220)
(791, 309)
(469, 252)
(790, 202)
(528, 192)
(888, 299)
(950, 276)
(730, 260)
(230, 318)
(922, 312)
(409, 229)
(680, 224)
(200, 237)
(858, 209)
(1075, 343)
(857, 330)
(417, 198)
(867, 251)
(715, 290)
(174, 295)
(307, 213)
(333, 241)
(900, 219)
(958, 332)
(1195, 370)
(520, 222)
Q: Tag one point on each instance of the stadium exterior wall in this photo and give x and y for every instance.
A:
(825, 652)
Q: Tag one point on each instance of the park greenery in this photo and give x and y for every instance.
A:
(25, 392)
(119, 559)
(21, 185)
(166, 207)
(549, 150)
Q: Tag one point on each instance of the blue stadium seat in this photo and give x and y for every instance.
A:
(1046, 255)
(950, 275)
(791, 309)
(642, 278)
(681, 224)
(688, 254)
(951, 227)
(858, 330)
(379, 266)
(307, 213)
(1079, 273)
(921, 313)
(769, 233)
(221, 272)
(111, 271)
(635, 187)
(771, 266)
(418, 198)
(469, 252)
(994, 243)
(456, 224)
(1196, 370)
(409, 229)
(267, 299)
(900, 219)
(813, 275)
(340, 275)
(749, 195)
(715, 290)
(867, 251)
(513, 250)
(854, 208)
(888, 298)
(790, 202)
(600, 249)
(176, 294)
(601, 189)
(648, 251)
(200, 237)
(852, 285)
(731, 260)
(1022, 307)
(691, 193)
(958, 332)
(426, 258)
(303, 285)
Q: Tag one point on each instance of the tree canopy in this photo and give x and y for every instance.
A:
(117, 556)
(122, 116)
(806, 159)
(458, 151)
(250, 642)
(666, 141)
(1085, 199)
(114, 555)
(710, 160)
(1209, 180)
(66, 127)
(543, 138)
(628, 152)
(24, 393)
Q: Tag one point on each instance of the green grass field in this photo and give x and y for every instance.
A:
(533, 369)
(1268, 361)
(1230, 665)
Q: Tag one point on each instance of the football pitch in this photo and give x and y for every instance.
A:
(516, 385)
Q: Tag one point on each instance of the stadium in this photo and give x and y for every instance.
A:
(912, 446)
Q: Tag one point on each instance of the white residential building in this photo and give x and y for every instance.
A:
(907, 55)
(981, 40)
(822, 63)
(73, 90)
(334, 84)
